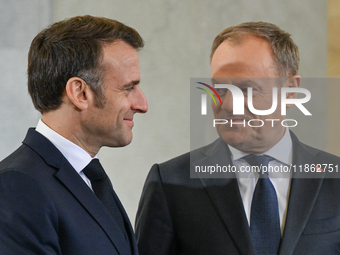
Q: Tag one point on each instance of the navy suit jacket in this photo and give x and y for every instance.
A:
(197, 216)
(46, 207)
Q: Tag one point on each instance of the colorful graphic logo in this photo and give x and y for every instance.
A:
(239, 99)
(207, 91)
(204, 97)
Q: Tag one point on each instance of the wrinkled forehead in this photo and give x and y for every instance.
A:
(252, 58)
(249, 82)
(237, 69)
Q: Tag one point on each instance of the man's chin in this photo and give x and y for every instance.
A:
(125, 142)
(120, 142)
(233, 142)
(237, 140)
(245, 146)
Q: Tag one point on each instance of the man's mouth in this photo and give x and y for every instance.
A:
(129, 121)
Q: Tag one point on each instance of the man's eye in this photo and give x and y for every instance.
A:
(221, 92)
(130, 88)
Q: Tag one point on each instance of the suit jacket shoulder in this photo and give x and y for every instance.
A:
(182, 215)
(176, 213)
(48, 209)
(177, 169)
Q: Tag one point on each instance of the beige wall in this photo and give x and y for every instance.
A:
(20, 21)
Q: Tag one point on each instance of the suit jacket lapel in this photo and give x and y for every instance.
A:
(78, 188)
(225, 197)
(303, 194)
(72, 181)
(129, 230)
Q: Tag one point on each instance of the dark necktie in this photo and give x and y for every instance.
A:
(264, 215)
(103, 189)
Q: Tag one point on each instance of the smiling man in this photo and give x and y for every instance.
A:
(55, 198)
(246, 212)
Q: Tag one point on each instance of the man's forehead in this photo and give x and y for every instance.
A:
(120, 59)
(252, 57)
(237, 66)
(119, 51)
(248, 82)
(236, 69)
(236, 81)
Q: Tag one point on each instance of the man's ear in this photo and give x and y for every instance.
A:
(78, 92)
(292, 82)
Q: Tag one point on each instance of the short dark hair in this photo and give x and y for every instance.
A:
(72, 48)
(285, 51)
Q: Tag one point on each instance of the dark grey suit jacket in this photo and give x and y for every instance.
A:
(46, 208)
(196, 216)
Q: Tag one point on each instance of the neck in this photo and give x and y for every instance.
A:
(68, 126)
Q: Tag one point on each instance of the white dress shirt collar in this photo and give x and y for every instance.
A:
(282, 152)
(76, 156)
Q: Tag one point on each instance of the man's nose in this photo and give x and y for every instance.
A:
(139, 104)
(227, 102)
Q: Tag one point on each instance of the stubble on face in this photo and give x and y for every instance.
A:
(111, 125)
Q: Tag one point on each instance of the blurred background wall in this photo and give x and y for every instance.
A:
(178, 35)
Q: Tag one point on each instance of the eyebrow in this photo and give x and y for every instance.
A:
(132, 83)
(245, 82)
(235, 81)
(220, 80)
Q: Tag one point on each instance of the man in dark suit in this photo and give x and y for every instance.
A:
(181, 211)
(55, 198)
